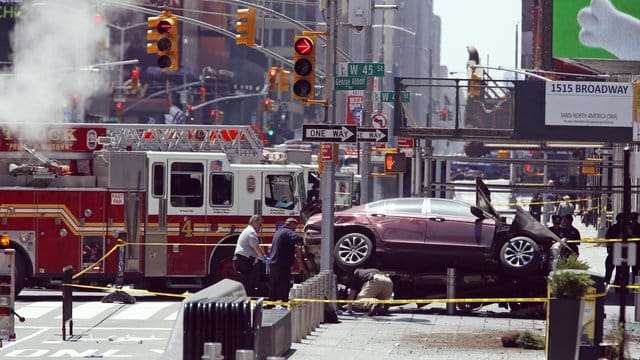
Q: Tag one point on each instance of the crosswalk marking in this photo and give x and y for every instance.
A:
(140, 311)
(99, 310)
(38, 309)
(91, 310)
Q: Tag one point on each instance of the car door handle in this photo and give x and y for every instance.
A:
(438, 219)
(378, 215)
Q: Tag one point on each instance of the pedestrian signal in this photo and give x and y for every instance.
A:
(394, 163)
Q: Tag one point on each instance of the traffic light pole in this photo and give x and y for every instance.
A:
(327, 182)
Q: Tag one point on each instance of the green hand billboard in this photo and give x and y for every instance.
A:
(596, 29)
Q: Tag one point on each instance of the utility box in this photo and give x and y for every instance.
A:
(592, 320)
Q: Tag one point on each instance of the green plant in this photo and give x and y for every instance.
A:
(569, 283)
(530, 340)
(571, 262)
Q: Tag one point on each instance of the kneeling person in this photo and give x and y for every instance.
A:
(370, 284)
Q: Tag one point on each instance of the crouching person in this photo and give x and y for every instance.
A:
(370, 284)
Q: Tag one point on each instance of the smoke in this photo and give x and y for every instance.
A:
(54, 42)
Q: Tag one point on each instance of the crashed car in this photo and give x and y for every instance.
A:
(432, 234)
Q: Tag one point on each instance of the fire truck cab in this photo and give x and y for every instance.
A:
(178, 196)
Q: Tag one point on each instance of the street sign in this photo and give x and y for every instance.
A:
(351, 83)
(365, 69)
(390, 96)
(602, 151)
(379, 121)
(329, 133)
(373, 135)
(405, 143)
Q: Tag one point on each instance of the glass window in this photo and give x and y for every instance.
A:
(376, 206)
(276, 37)
(289, 34)
(449, 208)
(409, 205)
(279, 191)
(186, 184)
(221, 189)
(158, 180)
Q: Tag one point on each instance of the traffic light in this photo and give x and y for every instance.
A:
(119, 109)
(273, 79)
(284, 81)
(394, 163)
(268, 105)
(304, 72)
(246, 27)
(135, 79)
(163, 35)
(203, 93)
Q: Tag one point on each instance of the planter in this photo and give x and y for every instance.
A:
(564, 323)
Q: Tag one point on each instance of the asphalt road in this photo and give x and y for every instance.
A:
(100, 330)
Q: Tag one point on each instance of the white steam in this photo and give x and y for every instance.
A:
(53, 43)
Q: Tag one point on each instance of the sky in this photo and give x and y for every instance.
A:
(489, 25)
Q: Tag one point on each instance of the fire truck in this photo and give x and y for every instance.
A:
(178, 196)
(7, 294)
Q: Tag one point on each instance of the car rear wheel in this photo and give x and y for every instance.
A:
(353, 250)
(520, 255)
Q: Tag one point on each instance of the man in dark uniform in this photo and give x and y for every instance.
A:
(282, 255)
(571, 233)
(613, 232)
(370, 284)
(635, 233)
(555, 227)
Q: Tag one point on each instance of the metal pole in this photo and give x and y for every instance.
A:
(365, 156)
(327, 182)
(624, 268)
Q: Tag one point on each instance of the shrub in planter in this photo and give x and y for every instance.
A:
(570, 279)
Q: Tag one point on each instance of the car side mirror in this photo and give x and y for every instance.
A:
(477, 212)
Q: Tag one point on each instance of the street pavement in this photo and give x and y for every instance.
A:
(429, 333)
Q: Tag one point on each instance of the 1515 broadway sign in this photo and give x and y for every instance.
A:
(591, 104)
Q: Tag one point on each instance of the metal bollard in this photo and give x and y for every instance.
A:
(295, 313)
(212, 351)
(318, 305)
(637, 300)
(451, 290)
(244, 354)
(297, 321)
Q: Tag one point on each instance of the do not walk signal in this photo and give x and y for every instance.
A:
(394, 163)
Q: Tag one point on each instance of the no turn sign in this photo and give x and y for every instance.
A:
(379, 121)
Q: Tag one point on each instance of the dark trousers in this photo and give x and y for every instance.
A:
(280, 279)
(247, 273)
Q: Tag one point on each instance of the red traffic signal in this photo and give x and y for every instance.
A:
(135, 74)
(303, 46)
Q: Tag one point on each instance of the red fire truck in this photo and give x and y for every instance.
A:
(178, 195)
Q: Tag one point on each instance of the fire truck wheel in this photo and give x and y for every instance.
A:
(222, 265)
(21, 273)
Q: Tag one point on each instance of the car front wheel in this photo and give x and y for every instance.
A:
(353, 250)
(520, 255)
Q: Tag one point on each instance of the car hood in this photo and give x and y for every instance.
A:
(523, 221)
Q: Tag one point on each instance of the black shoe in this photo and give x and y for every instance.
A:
(375, 310)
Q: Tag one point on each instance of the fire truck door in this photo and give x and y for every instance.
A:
(186, 221)
(155, 263)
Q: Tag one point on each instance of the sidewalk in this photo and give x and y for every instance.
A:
(428, 333)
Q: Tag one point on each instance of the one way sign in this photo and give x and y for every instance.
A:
(329, 133)
(372, 135)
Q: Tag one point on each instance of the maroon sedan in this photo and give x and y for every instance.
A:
(424, 234)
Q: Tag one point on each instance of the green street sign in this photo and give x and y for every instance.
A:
(351, 83)
(390, 96)
(365, 69)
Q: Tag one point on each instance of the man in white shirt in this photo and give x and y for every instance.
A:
(247, 254)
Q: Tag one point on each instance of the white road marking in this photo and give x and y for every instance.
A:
(90, 310)
(38, 309)
(140, 311)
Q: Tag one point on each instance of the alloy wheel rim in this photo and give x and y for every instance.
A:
(519, 253)
(352, 250)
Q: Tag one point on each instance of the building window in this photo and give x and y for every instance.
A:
(276, 37)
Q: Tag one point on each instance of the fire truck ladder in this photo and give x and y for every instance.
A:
(241, 143)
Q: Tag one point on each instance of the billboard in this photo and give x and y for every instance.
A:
(600, 29)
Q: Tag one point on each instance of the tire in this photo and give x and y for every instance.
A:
(21, 273)
(519, 255)
(352, 251)
(222, 266)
